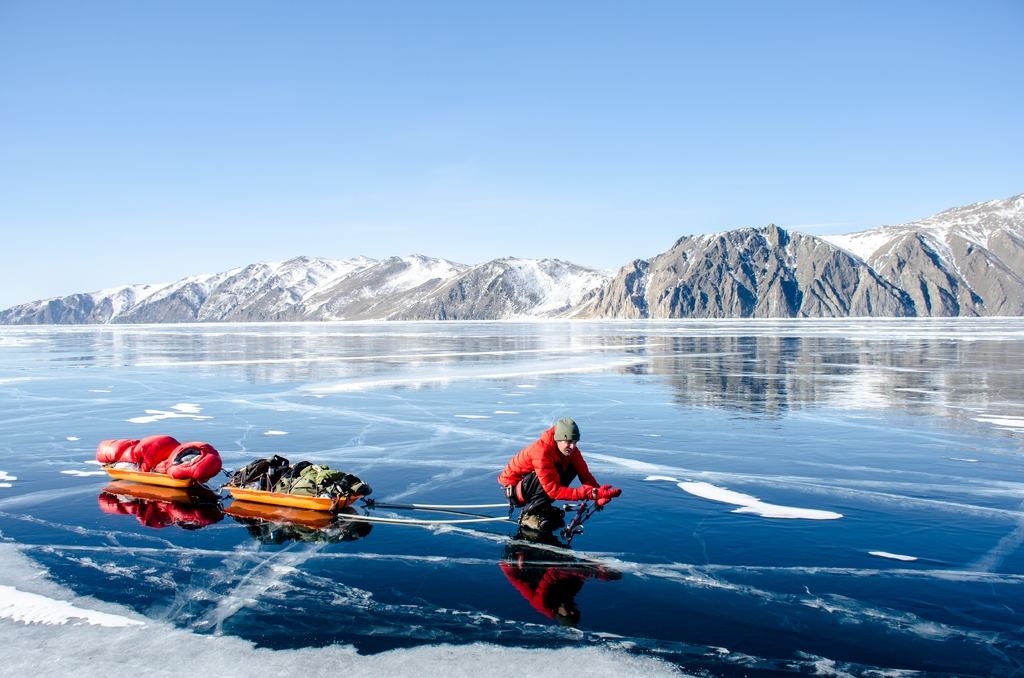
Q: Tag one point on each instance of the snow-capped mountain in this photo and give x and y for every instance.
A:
(379, 291)
(507, 289)
(966, 261)
(263, 291)
(311, 288)
(976, 223)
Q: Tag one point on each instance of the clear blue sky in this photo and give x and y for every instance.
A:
(147, 141)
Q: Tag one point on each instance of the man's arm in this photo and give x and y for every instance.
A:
(586, 477)
(552, 484)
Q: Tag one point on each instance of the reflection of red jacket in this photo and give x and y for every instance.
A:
(543, 458)
(555, 587)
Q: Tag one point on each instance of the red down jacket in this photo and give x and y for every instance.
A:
(543, 458)
(163, 454)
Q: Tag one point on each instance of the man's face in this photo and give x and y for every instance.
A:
(566, 446)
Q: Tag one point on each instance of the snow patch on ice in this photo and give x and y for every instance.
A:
(94, 462)
(472, 416)
(893, 556)
(747, 503)
(31, 608)
(183, 411)
(275, 433)
(5, 476)
(1013, 423)
(505, 412)
(284, 569)
(6, 485)
(75, 472)
(634, 464)
(73, 438)
(98, 390)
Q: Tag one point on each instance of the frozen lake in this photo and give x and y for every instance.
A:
(798, 496)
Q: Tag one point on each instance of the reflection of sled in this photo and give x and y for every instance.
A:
(193, 494)
(147, 477)
(280, 514)
(280, 524)
(159, 507)
(331, 504)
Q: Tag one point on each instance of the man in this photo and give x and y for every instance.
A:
(541, 473)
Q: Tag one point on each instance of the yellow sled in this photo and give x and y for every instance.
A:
(332, 504)
(161, 479)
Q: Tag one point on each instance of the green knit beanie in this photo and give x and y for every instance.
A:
(566, 429)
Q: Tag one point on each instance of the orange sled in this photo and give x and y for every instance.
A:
(148, 477)
(332, 504)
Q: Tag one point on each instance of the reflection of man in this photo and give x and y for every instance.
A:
(548, 585)
(541, 473)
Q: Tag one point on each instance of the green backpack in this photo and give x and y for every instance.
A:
(319, 480)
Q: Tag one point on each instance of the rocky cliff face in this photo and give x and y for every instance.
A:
(748, 273)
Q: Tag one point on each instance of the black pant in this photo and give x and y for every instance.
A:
(535, 499)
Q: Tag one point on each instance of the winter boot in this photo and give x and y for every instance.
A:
(542, 519)
(530, 521)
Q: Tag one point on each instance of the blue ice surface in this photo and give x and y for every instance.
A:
(911, 430)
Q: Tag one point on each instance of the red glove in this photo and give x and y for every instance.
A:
(605, 494)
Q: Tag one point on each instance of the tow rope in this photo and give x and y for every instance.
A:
(436, 508)
(413, 521)
(370, 503)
